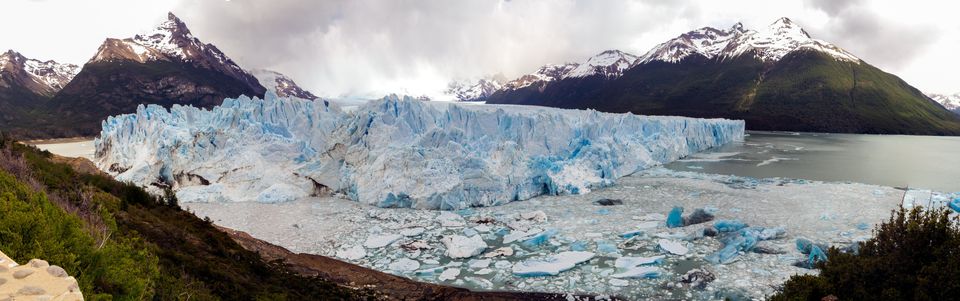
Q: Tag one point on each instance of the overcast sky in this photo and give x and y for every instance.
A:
(364, 48)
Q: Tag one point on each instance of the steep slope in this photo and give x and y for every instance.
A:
(166, 66)
(280, 84)
(950, 102)
(27, 84)
(778, 78)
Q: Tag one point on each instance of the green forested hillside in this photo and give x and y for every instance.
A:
(124, 244)
(805, 91)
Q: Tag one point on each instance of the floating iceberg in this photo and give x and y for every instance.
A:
(395, 152)
(552, 265)
(459, 246)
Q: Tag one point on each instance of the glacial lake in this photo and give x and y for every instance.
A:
(927, 162)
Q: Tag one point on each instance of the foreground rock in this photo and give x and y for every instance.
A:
(36, 280)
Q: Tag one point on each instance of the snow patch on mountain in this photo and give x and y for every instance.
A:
(476, 90)
(609, 64)
(951, 102)
(545, 74)
(281, 84)
(769, 44)
(171, 40)
(53, 76)
(394, 152)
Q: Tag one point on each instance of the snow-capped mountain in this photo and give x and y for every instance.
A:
(545, 74)
(609, 64)
(475, 90)
(44, 78)
(772, 77)
(172, 41)
(281, 84)
(951, 102)
(165, 66)
(769, 44)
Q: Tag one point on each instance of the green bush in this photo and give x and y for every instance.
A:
(33, 227)
(914, 256)
(122, 243)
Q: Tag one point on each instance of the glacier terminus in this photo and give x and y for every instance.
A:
(392, 152)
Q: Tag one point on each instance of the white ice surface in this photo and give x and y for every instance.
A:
(824, 212)
(395, 152)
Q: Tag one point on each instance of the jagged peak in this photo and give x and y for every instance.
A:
(785, 26)
(609, 63)
(769, 44)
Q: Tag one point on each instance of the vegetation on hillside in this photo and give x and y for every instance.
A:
(122, 243)
(914, 256)
(805, 91)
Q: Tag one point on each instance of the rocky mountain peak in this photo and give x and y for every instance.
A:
(282, 85)
(41, 77)
(770, 44)
(609, 64)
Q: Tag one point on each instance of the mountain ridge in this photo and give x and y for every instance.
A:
(778, 78)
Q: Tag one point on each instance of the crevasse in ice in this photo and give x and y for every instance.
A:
(393, 152)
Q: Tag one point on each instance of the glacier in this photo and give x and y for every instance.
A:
(392, 152)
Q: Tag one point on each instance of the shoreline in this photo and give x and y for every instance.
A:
(359, 277)
(57, 140)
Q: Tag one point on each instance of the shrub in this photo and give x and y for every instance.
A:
(914, 256)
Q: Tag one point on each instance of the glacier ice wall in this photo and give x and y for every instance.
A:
(395, 152)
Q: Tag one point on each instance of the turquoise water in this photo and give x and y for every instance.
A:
(928, 162)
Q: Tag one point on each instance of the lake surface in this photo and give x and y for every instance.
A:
(928, 162)
(82, 148)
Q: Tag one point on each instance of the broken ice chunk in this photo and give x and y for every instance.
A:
(674, 219)
(540, 238)
(408, 232)
(672, 247)
(629, 262)
(728, 225)
(404, 265)
(459, 246)
(536, 216)
(479, 263)
(607, 248)
(352, 253)
(552, 265)
(449, 274)
(955, 204)
(450, 219)
(648, 225)
(640, 272)
(631, 234)
(517, 235)
(380, 241)
(504, 251)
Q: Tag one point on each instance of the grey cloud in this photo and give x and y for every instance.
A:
(343, 47)
(879, 39)
(352, 47)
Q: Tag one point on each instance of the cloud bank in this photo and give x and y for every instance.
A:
(366, 48)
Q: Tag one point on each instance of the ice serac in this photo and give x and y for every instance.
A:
(395, 152)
